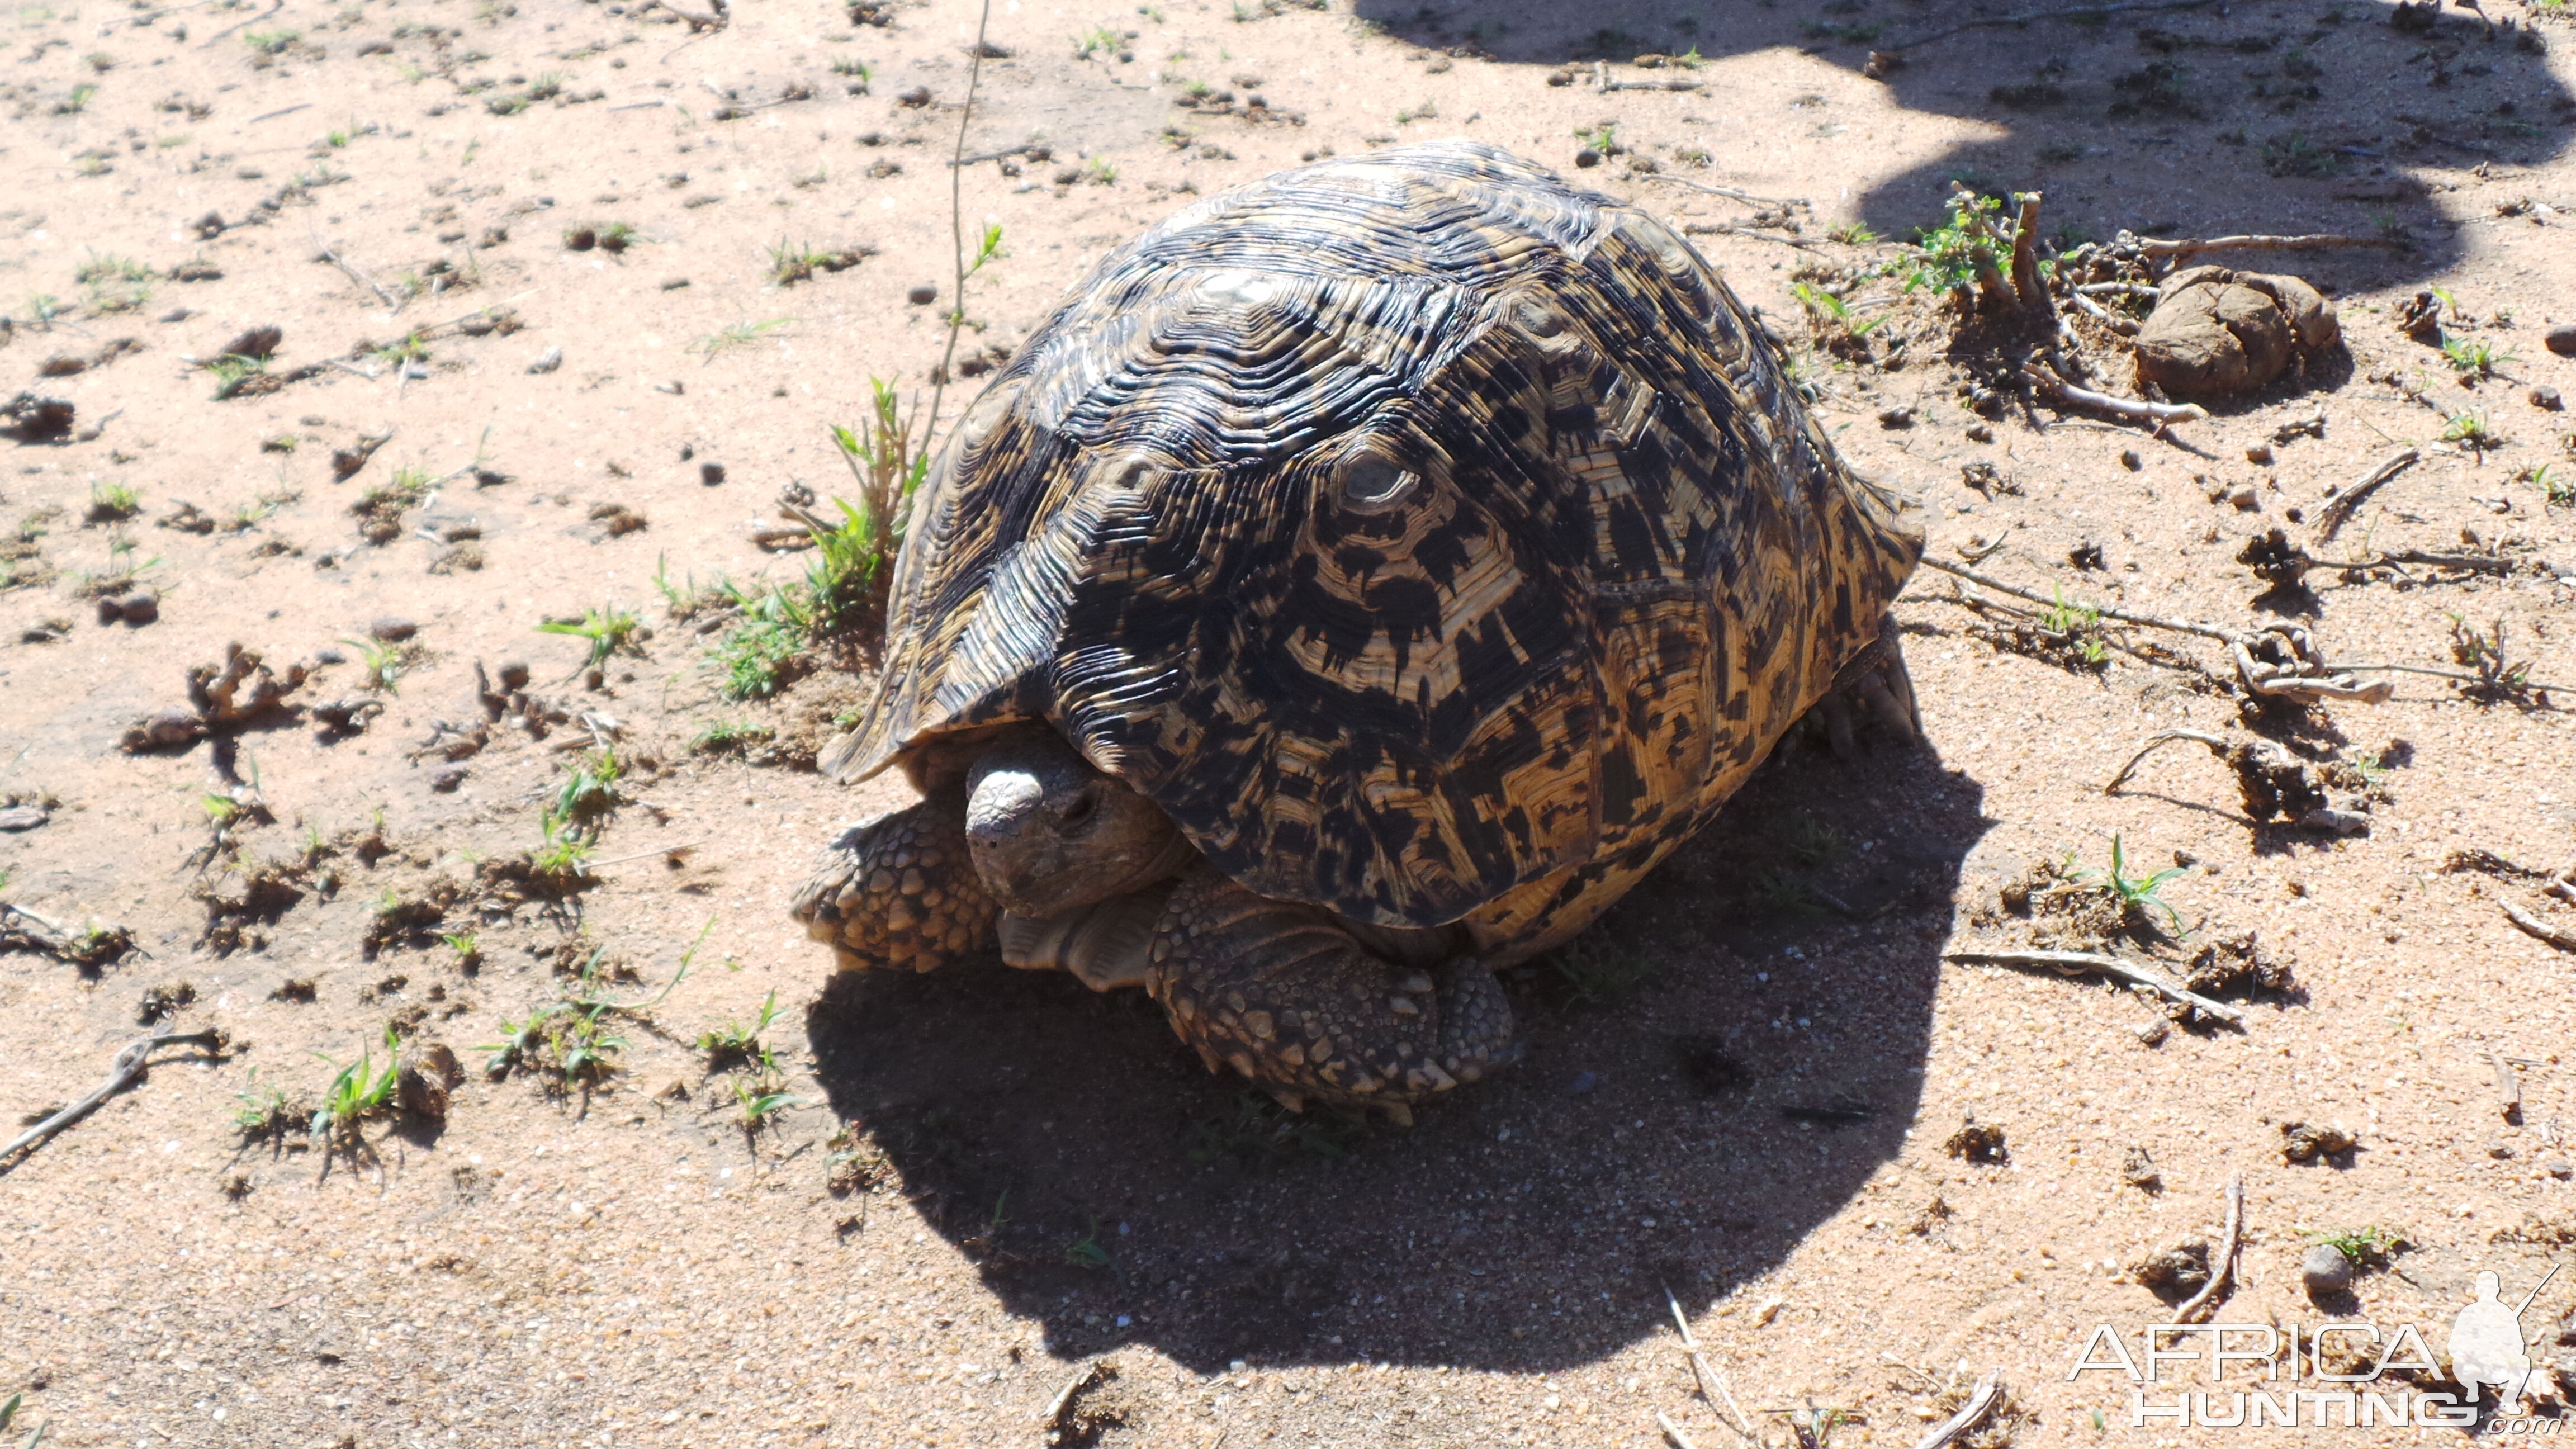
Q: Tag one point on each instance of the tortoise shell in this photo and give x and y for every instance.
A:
(1432, 540)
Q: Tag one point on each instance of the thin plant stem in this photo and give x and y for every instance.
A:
(957, 226)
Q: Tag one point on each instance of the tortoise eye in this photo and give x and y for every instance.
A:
(1371, 484)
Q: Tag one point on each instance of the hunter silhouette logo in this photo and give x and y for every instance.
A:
(2486, 1343)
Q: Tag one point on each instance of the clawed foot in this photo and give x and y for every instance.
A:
(1282, 994)
(1872, 695)
(897, 890)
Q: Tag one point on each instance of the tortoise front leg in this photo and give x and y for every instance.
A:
(1286, 996)
(1873, 689)
(898, 889)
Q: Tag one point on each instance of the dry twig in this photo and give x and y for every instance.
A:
(1729, 192)
(2058, 390)
(2223, 1270)
(1059, 1415)
(1706, 1375)
(332, 256)
(2070, 963)
(2206, 631)
(1673, 1432)
(2339, 511)
(1981, 1402)
(2537, 929)
(127, 1065)
(2149, 246)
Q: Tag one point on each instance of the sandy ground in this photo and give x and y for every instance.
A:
(987, 1182)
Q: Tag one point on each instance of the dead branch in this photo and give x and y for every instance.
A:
(1059, 1415)
(2206, 631)
(2460, 674)
(1720, 228)
(2097, 312)
(362, 279)
(1981, 1402)
(126, 1066)
(1673, 1432)
(2222, 1271)
(2337, 512)
(2029, 16)
(2149, 246)
(2536, 929)
(1729, 192)
(2215, 744)
(47, 937)
(1707, 1376)
(2070, 963)
(2059, 390)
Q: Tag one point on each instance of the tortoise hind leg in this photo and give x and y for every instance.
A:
(1872, 692)
(1292, 1001)
(898, 890)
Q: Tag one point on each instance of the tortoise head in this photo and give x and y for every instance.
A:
(1050, 834)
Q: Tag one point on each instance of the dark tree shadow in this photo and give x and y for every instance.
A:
(2278, 117)
(1714, 1069)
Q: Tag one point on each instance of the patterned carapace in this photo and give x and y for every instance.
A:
(1433, 541)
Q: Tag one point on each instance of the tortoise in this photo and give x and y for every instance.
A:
(1364, 580)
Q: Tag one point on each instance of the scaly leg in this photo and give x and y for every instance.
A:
(1284, 995)
(899, 890)
(1874, 689)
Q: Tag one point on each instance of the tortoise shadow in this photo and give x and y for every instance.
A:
(2183, 122)
(1711, 1072)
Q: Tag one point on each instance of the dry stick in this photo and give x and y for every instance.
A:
(2223, 1271)
(2121, 325)
(2216, 745)
(1706, 1375)
(1673, 1432)
(648, 854)
(238, 24)
(1981, 1402)
(1059, 1414)
(957, 225)
(2026, 18)
(2537, 930)
(2206, 631)
(2068, 963)
(361, 278)
(1729, 192)
(2339, 511)
(2149, 246)
(2059, 390)
(1720, 228)
(127, 1065)
(2439, 674)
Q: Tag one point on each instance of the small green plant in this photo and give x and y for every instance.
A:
(610, 630)
(467, 946)
(561, 857)
(1595, 971)
(857, 69)
(9, 1416)
(232, 372)
(569, 1041)
(2295, 155)
(2559, 488)
(734, 1043)
(271, 42)
(380, 664)
(1255, 1129)
(1824, 307)
(2471, 431)
(2137, 895)
(358, 1091)
(77, 101)
(1603, 138)
(589, 793)
(1100, 171)
(2473, 359)
(1855, 235)
(762, 653)
(740, 334)
(730, 737)
(1951, 256)
(1086, 1251)
(2079, 627)
(261, 1112)
(1098, 40)
(2497, 679)
(111, 502)
(2363, 1247)
(758, 1106)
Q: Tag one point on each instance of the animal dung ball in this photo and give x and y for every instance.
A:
(2215, 332)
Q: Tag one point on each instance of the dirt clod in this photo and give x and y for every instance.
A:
(2175, 1273)
(1979, 1142)
(2215, 332)
(2301, 1142)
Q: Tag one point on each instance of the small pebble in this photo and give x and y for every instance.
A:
(711, 474)
(2325, 1273)
(1587, 158)
(2547, 400)
(392, 628)
(547, 361)
(445, 781)
(2559, 1168)
(673, 284)
(330, 656)
(2130, 460)
(1980, 433)
(2562, 340)
(1583, 1082)
(28, 817)
(2153, 1033)
(923, 295)
(2245, 498)
(142, 607)
(1896, 418)
(2260, 454)
(513, 674)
